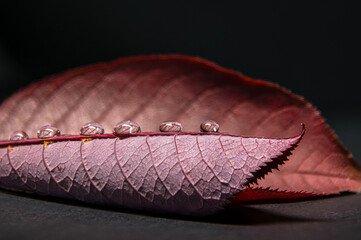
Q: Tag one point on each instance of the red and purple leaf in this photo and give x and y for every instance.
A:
(183, 173)
(152, 89)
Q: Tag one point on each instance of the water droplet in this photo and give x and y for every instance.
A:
(18, 135)
(209, 126)
(126, 127)
(48, 132)
(170, 126)
(91, 128)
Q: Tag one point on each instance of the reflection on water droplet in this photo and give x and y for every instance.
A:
(170, 126)
(126, 127)
(48, 132)
(91, 128)
(209, 126)
(18, 135)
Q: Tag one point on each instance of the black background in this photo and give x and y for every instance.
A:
(310, 47)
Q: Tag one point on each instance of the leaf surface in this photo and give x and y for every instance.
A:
(191, 174)
(149, 90)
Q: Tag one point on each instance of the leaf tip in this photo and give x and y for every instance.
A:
(279, 160)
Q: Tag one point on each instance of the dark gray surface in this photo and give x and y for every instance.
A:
(28, 218)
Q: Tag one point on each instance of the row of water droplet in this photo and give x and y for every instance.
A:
(124, 127)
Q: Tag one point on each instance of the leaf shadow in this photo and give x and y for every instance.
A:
(245, 215)
(234, 214)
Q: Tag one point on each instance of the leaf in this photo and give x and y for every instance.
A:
(252, 195)
(152, 89)
(184, 173)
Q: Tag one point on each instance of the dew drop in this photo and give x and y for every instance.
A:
(91, 128)
(209, 126)
(126, 127)
(48, 132)
(18, 135)
(170, 126)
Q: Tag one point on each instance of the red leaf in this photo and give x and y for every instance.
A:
(184, 173)
(152, 89)
(250, 195)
